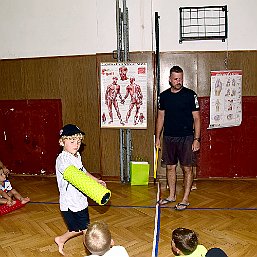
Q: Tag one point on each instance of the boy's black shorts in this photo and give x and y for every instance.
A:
(76, 221)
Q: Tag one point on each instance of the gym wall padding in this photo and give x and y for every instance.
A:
(229, 152)
(28, 129)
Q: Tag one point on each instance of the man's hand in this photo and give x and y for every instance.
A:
(157, 143)
(196, 146)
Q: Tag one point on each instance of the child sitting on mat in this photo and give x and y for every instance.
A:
(73, 203)
(99, 242)
(185, 242)
(7, 193)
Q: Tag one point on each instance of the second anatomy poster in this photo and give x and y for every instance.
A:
(226, 99)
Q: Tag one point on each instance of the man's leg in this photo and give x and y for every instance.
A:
(194, 187)
(171, 177)
(188, 179)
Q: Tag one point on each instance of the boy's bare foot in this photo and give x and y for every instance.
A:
(60, 244)
(25, 200)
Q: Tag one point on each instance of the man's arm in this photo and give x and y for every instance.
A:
(197, 124)
(159, 126)
(197, 128)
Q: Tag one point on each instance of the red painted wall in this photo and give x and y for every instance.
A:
(29, 134)
(229, 152)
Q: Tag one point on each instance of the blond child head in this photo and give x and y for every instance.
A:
(98, 238)
(69, 136)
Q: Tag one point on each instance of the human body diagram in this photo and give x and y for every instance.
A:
(111, 94)
(136, 99)
(225, 102)
(124, 96)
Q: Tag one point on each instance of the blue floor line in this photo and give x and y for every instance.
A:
(163, 207)
(158, 232)
(44, 202)
(223, 209)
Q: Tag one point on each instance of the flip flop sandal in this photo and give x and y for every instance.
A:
(165, 201)
(194, 187)
(181, 206)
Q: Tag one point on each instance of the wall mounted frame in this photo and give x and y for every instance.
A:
(203, 23)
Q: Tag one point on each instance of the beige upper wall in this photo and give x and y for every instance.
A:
(32, 28)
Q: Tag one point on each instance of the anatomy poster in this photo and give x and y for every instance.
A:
(226, 99)
(124, 95)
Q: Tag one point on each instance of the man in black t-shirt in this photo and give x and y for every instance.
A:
(179, 118)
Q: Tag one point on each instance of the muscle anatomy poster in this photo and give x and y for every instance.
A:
(226, 99)
(124, 95)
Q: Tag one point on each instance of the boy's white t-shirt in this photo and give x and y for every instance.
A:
(70, 197)
(115, 251)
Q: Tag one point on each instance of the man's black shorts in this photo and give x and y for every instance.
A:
(176, 149)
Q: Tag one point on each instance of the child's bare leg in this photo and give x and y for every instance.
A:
(61, 240)
(3, 201)
(11, 202)
(7, 199)
(17, 196)
(25, 200)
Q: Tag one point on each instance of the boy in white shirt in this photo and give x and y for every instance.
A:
(73, 203)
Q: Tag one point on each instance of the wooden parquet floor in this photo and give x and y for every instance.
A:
(222, 212)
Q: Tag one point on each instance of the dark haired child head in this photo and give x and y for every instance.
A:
(184, 241)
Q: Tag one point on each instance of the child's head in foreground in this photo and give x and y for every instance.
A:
(70, 138)
(184, 241)
(98, 238)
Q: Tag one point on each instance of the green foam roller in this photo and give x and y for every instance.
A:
(87, 185)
